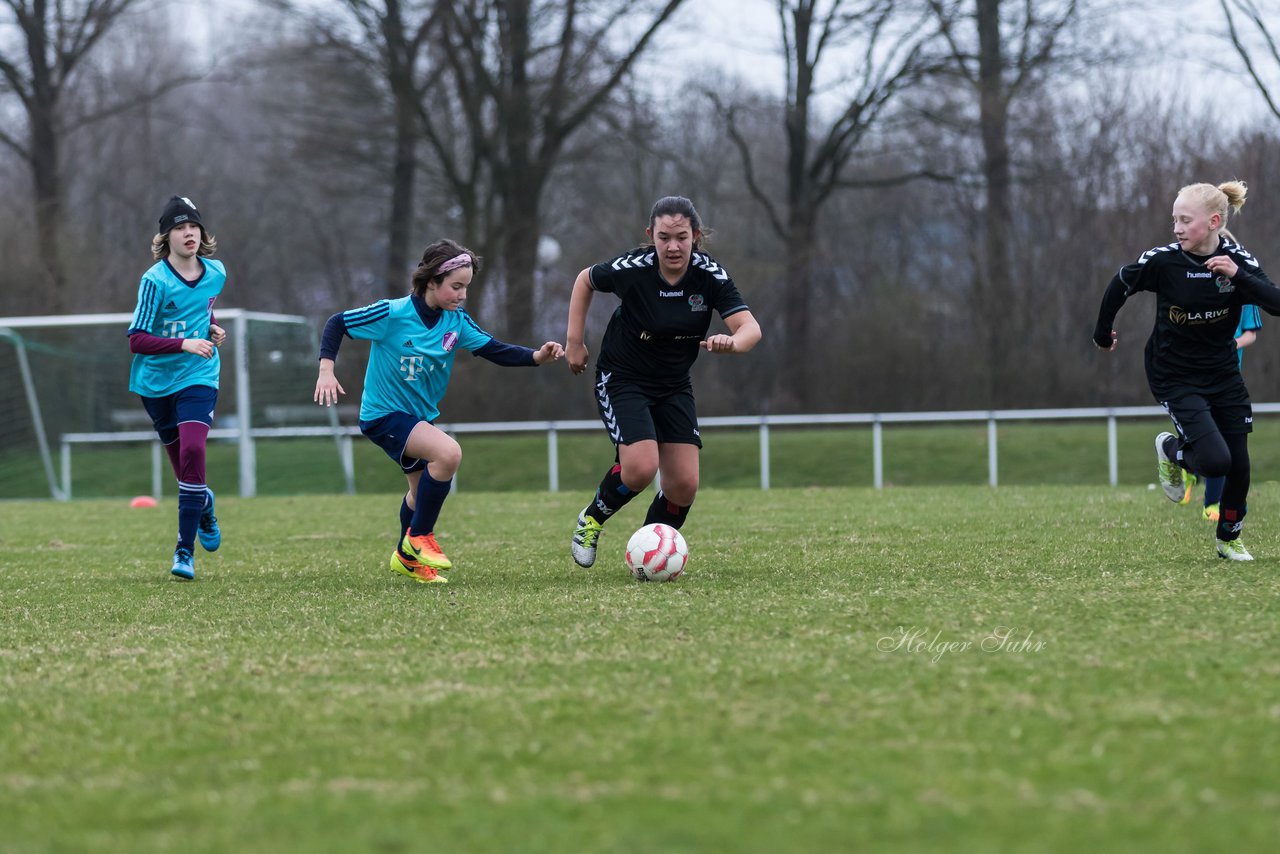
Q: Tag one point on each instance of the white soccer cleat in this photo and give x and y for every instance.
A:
(1170, 474)
(1233, 550)
(585, 537)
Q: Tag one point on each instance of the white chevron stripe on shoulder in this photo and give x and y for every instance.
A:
(1151, 253)
(710, 264)
(631, 260)
(1232, 246)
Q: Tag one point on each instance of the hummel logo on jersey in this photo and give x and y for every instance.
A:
(670, 293)
(1202, 275)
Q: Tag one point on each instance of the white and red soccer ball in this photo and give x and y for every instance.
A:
(657, 553)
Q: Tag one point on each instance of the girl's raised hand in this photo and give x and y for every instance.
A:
(549, 352)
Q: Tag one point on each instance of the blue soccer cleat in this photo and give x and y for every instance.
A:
(210, 534)
(183, 564)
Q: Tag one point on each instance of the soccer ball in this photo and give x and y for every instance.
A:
(657, 553)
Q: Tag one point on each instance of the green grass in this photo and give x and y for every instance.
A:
(300, 697)
(1030, 453)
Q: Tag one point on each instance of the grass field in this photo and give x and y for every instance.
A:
(947, 668)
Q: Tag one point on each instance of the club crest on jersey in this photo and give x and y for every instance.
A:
(696, 303)
(450, 339)
(1224, 285)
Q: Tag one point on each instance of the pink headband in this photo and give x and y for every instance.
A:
(463, 260)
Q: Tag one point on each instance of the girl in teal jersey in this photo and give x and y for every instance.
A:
(175, 338)
(413, 341)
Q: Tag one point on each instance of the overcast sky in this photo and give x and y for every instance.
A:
(740, 38)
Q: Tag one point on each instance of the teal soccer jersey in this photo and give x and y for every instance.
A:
(1250, 321)
(409, 362)
(171, 307)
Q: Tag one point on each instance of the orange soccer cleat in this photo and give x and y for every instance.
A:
(425, 550)
(411, 568)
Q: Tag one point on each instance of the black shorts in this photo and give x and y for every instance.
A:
(632, 412)
(1197, 415)
(391, 434)
(193, 403)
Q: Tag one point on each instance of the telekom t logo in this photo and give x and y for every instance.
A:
(176, 328)
(411, 366)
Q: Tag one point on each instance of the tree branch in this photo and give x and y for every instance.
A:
(898, 180)
(945, 21)
(17, 147)
(748, 167)
(1246, 57)
(593, 100)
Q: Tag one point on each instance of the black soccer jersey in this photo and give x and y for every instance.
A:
(1192, 345)
(653, 335)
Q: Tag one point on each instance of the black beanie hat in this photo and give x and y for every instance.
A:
(180, 209)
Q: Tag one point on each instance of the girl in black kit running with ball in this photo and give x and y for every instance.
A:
(667, 290)
(1201, 282)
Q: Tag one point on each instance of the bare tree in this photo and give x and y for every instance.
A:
(1007, 50)
(55, 39)
(392, 38)
(885, 46)
(528, 75)
(1255, 19)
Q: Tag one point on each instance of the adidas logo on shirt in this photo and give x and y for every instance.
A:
(172, 306)
(407, 343)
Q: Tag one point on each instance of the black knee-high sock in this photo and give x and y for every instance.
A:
(666, 511)
(406, 515)
(191, 499)
(429, 499)
(611, 496)
(1235, 492)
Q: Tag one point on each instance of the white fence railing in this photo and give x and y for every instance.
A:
(553, 429)
(236, 319)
